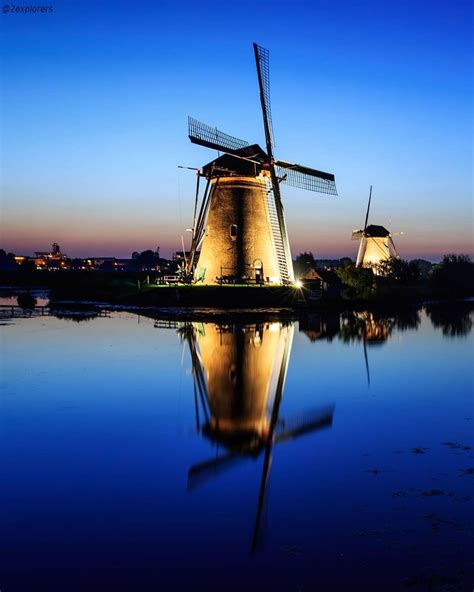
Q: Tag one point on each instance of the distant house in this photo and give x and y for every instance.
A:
(311, 275)
(327, 281)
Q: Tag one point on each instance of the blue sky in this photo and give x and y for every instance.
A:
(95, 99)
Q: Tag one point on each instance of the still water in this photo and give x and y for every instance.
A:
(328, 453)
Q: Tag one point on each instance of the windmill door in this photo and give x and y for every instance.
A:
(258, 266)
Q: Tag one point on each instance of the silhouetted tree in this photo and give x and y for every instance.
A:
(424, 266)
(303, 263)
(7, 261)
(358, 281)
(453, 277)
(148, 259)
(398, 271)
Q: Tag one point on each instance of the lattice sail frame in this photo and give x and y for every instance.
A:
(280, 234)
(262, 56)
(201, 133)
(306, 178)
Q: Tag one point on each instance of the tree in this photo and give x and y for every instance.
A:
(453, 277)
(398, 271)
(424, 267)
(7, 261)
(358, 281)
(303, 263)
(148, 259)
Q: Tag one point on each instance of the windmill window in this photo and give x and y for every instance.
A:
(233, 231)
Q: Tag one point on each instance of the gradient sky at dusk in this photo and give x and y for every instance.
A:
(96, 97)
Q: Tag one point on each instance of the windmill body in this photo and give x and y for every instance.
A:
(242, 239)
(239, 228)
(376, 243)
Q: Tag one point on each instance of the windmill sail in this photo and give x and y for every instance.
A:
(280, 235)
(205, 135)
(302, 177)
(368, 209)
(262, 59)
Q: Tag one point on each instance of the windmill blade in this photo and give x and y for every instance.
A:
(357, 234)
(267, 461)
(392, 245)
(368, 209)
(303, 177)
(202, 472)
(262, 495)
(314, 421)
(262, 61)
(367, 368)
(205, 135)
(280, 234)
(361, 250)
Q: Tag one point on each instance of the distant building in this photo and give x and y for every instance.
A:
(52, 260)
(327, 281)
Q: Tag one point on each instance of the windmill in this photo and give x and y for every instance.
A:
(376, 242)
(239, 376)
(239, 225)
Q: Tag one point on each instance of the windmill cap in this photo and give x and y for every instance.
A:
(376, 231)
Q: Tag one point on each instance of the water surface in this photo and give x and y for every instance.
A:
(330, 453)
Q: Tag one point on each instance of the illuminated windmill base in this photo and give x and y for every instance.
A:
(242, 237)
(376, 245)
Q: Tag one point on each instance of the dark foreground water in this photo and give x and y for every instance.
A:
(331, 453)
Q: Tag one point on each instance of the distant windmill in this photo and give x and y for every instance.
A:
(376, 243)
(239, 377)
(239, 228)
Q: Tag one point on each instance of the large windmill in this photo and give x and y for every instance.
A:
(239, 227)
(239, 374)
(376, 243)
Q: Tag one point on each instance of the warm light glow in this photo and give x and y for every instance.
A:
(298, 284)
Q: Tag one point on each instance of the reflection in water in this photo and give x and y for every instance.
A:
(365, 326)
(376, 328)
(316, 326)
(239, 377)
(26, 301)
(383, 497)
(78, 316)
(454, 322)
(368, 328)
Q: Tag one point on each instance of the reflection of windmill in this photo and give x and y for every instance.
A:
(365, 327)
(376, 243)
(239, 377)
(240, 228)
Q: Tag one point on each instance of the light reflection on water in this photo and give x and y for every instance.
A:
(152, 454)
